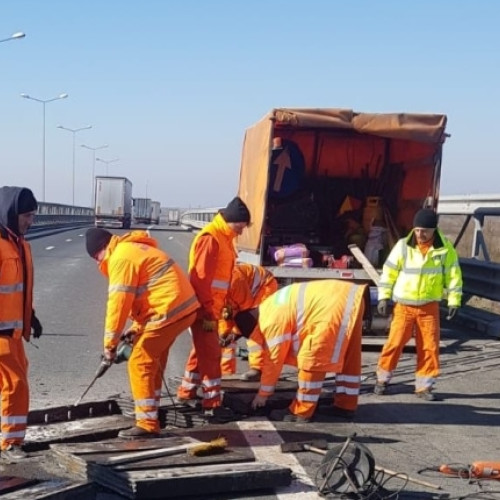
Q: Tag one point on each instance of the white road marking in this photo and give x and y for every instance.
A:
(265, 442)
(50, 248)
(170, 237)
(69, 239)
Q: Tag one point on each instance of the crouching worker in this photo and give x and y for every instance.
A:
(250, 285)
(315, 326)
(146, 285)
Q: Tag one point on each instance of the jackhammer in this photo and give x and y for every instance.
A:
(123, 351)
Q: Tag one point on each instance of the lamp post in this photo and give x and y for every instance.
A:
(74, 131)
(44, 102)
(92, 201)
(14, 36)
(107, 162)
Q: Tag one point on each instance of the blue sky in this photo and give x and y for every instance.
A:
(171, 85)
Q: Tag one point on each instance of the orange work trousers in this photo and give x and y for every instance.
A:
(424, 321)
(228, 360)
(347, 381)
(14, 390)
(146, 366)
(203, 367)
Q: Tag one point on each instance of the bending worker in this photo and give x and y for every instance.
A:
(17, 317)
(146, 285)
(420, 270)
(315, 326)
(211, 260)
(250, 285)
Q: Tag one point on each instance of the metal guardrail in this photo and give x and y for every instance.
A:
(59, 214)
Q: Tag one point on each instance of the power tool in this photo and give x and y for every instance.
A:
(477, 470)
(123, 352)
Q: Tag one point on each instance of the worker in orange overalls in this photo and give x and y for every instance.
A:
(146, 285)
(250, 285)
(17, 317)
(420, 271)
(211, 260)
(315, 326)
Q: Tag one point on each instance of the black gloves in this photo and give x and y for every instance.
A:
(451, 312)
(36, 326)
(382, 307)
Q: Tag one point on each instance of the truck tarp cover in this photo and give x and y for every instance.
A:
(340, 142)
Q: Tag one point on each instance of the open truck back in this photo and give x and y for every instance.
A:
(318, 180)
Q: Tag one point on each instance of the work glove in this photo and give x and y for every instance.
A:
(36, 326)
(382, 307)
(451, 312)
(109, 354)
(227, 339)
(227, 312)
(128, 336)
(259, 401)
(209, 325)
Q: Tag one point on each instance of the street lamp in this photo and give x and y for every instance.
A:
(92, 201)
(107, 162)
(44, 102)
(14, 36)
(74, 132)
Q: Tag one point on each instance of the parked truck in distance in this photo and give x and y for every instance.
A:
(155, 212)
(173, 216)
(142, 210)
(113, 202)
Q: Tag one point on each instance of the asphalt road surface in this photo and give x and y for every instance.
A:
(404, 434)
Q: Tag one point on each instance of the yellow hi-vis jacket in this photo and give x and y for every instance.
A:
(410, 278)
(307, 325)
(145, 284)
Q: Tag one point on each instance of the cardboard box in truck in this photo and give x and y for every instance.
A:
(318, 180)
(113, 202)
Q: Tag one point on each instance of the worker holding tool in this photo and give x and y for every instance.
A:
(146, 285)
(211, 260)
(17, 317)
(315, 326)
(250, 285)
(420, 271)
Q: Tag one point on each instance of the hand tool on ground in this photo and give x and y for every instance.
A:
(123, 351)
(321, 447)
(198, 449)
(477, 470)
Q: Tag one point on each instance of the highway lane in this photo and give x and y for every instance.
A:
(70, 298)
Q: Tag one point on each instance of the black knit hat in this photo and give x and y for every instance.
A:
(96, 240)
(246, 321)
(236, 211)
(426, 219)
(26, 202)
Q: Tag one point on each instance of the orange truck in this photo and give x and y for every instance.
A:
(319, 180)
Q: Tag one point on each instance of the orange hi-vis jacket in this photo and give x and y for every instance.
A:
(213, 298)
(145, 284)
(307, 325)
(248, 284)
(16, 284)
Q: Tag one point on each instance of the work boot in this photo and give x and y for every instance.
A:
(285, 415)
(380, 388)
(426, 395)
(252, 375)
(137, 433)
(14, 453)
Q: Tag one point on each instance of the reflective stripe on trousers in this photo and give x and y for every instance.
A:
(146, 366)
(407, 320)
(14, 390)
(204, 360)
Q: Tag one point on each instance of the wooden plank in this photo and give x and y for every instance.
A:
(58, 489)
(13, 483)
(365, 263)
(184, 481)
(98, 428)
